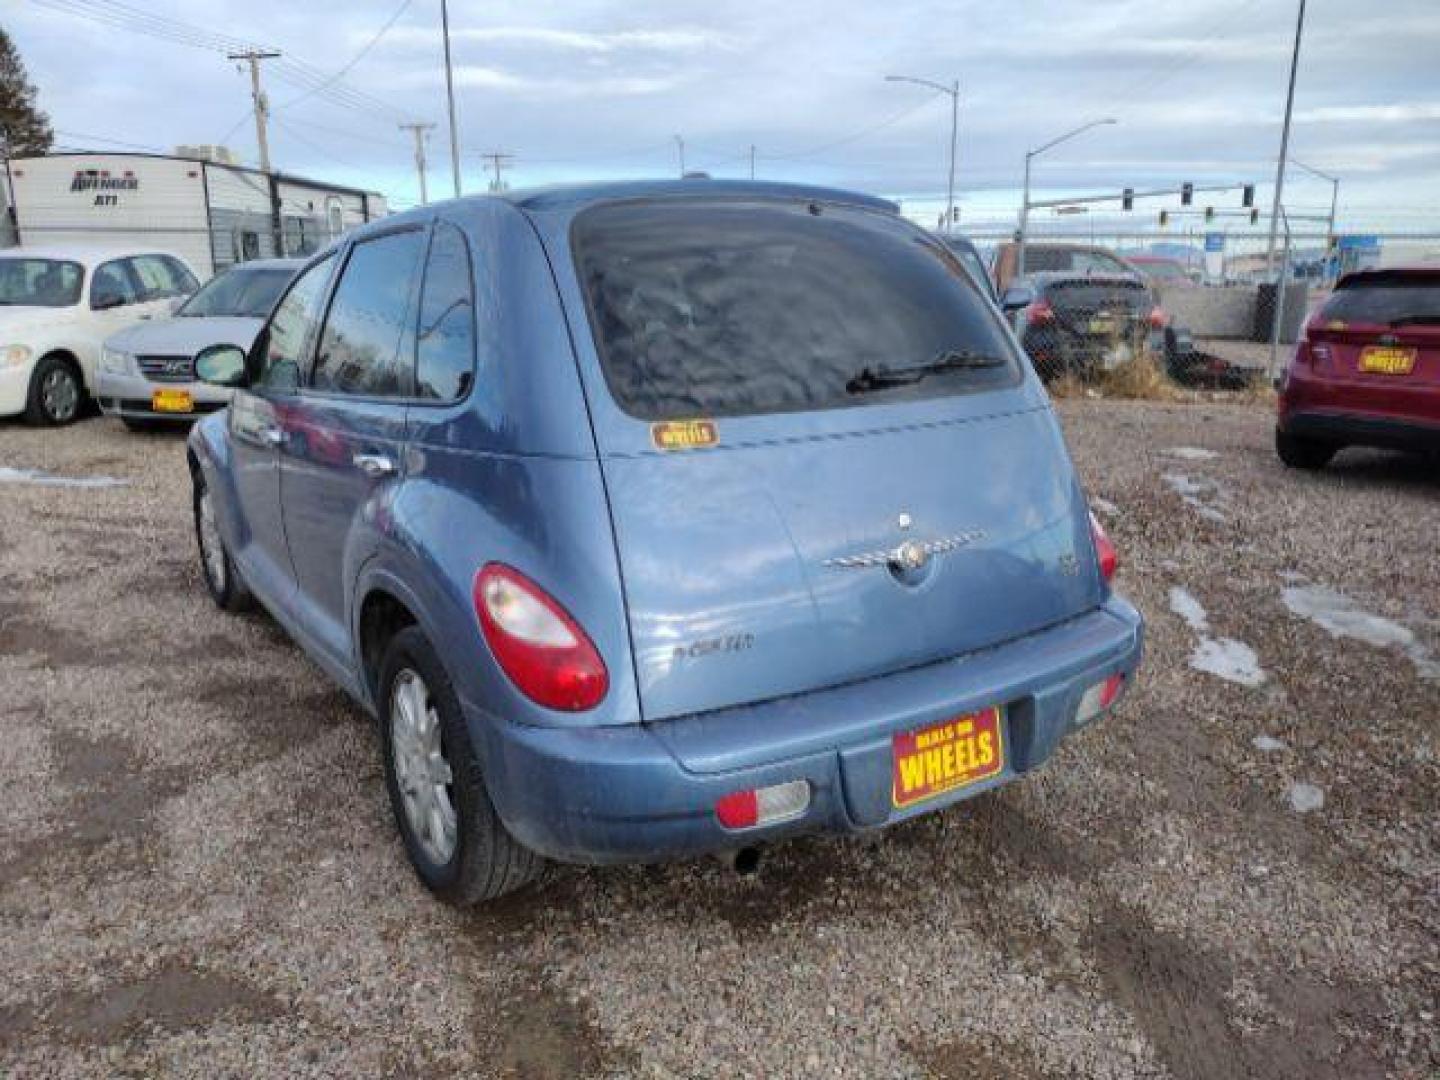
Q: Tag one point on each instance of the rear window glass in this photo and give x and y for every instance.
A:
(711, 308)
(1386, 300)
(1087, 294)
(1065, 260)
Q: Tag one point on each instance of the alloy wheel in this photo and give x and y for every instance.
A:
(422, 772)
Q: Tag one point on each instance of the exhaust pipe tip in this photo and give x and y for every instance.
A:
(744, 861)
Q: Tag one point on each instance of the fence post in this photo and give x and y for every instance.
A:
(1277, 316)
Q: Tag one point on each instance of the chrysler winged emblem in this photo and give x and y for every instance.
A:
(911, 555)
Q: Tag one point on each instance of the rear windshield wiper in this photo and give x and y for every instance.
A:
(881, 378)
(1414, 320)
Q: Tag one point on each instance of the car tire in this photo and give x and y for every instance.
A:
(222, 580)
(57, 392)
(1298, 452)
(420, 720)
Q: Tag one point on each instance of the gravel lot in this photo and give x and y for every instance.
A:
(199, 874)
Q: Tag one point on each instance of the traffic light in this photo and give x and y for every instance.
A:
(1247, 195)
(1127, 199)
(1187, 194)
(1164, 218)
(1209, 213)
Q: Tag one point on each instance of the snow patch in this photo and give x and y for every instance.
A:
(1225, 658)
(1267, 744)
(1305, 798)
(1342, 617)
(1193, 494)
(1105, 506)
(38, 478)
(1191, 453)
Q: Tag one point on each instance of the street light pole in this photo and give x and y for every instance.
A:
(954, 91)
(1284, 144)
(1025, 197)
(450, 97)
(1334, 182)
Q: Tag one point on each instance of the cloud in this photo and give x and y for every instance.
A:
(1422, 112)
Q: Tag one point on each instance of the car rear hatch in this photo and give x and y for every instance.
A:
(1380, 333)
(785, 522)
(1099, 310)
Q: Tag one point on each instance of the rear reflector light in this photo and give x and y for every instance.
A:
(763, 806)
(1104, 549)
(1098, 698)
(1039, 312)
(538, 645)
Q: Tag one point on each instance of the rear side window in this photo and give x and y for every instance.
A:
(110, 286)
(445, 346)
(159, 278)
(361, 344)
(729, 308)
(1385, 300)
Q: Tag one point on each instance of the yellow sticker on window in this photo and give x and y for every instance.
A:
(684, 434)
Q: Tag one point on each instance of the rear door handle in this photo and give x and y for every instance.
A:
(374, 465)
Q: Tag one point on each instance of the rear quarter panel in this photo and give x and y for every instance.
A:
(507, 475)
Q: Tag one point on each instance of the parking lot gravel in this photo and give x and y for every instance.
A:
(1237, 875)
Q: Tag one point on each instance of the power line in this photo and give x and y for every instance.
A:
(346, 68)
(845, 140)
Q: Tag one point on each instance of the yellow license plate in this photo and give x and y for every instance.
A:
(1102, 325)
(172, 401)
(947, 756)
(1387, 360)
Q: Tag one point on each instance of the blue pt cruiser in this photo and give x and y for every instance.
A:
(657, 519)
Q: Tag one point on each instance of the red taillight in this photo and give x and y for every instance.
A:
(536, 642)
(738, 810)
(1104, 549)
(1039, 312)
(763, 806)
(1158, 319)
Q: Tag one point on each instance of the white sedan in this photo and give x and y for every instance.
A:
(58, 305)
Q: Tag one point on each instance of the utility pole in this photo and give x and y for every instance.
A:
(421, 132)
(680, 142)
(450, 97)
(752, 161)
(498, 160)
(1284, 145)
(262, 103)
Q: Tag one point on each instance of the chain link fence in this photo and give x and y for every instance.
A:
(1208, 310)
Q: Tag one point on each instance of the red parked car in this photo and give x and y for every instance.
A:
(1366, 372)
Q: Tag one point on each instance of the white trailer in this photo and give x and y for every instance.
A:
(209, 213)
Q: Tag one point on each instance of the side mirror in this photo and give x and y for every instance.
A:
(1017, 297)
(103, 301)
(221, 365)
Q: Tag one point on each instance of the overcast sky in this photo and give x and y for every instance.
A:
(600, 88)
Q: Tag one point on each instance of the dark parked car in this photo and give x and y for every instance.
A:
(1366, 372)
(657, 519)
(1083, 325)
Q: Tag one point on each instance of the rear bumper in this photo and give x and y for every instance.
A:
(647, 793)
(1354, 429)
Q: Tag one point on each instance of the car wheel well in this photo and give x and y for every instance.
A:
(382, 616)
(71, 361)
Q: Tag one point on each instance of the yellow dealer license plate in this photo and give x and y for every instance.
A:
(172, 401)
(1387, 360)
(945, 756)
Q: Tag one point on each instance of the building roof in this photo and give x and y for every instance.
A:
(290, 178)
